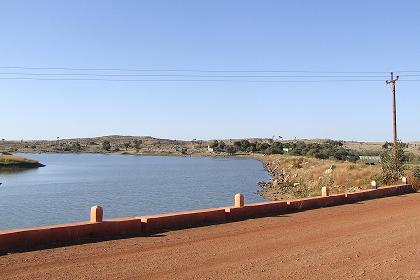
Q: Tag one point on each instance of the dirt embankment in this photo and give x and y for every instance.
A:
(296, 176)
(376, 239)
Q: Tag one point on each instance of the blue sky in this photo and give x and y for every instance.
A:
(350, 36)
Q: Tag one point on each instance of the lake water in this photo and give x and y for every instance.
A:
(125, 186)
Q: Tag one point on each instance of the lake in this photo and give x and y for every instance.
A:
(125, 186)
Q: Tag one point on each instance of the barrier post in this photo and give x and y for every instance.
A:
(373, 185)
(239, 200)
(325, 191)
(96, 214)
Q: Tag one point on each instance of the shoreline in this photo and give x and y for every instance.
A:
(291, 177)
(268, 189)
(11, 162)
(143, 154)
(253, 156)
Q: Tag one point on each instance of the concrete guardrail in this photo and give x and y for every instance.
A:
(97, 228)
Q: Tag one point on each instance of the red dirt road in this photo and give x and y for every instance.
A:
(377, 239)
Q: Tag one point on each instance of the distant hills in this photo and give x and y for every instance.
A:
(150, 145)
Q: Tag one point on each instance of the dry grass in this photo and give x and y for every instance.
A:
(412, 180)
(14, 160)
(298, 176)
(376, 147)
(311, 174)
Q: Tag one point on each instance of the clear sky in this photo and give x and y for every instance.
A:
(331, 36)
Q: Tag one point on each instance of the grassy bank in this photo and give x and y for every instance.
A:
(11, 161)
(298, 176)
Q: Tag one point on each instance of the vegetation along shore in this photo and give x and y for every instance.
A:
(299, 168)
(8, 161)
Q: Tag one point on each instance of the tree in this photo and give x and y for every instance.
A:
(244, 145)
(386, 145)
(230, 150)
(334, 143)
(262, 146)
(127, 145)
(393, 164)
(222, 145)
(252, 148)
(275, 148)
(76, 147)
(214, 144)
(106, 145)
(137, 144)
(237, 145)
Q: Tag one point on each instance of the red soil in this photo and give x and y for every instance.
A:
(377, 239)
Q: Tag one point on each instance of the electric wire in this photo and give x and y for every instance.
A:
(196, 75)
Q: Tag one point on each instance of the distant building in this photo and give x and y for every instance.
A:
(372, 160)
(286, 150)
(210, 149)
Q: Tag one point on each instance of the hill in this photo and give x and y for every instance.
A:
(156, 146)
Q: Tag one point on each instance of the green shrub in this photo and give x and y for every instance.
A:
(214, 144)
(275, 148)
(137, 144)
(230, 150)
(393, 164)
(416, 173)
(262, 146)
(106, 145)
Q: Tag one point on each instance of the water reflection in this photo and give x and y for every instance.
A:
(124, 186)
(12, 170)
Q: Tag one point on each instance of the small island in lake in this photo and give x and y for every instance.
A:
(11, 161)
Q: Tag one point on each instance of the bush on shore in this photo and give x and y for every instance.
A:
(393, 164)
(328, 150)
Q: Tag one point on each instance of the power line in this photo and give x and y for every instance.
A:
(191, 75)
(194, 75)
(193, 70)
(187, 80)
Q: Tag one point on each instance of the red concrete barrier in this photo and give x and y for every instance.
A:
(336, 199)
(307, 203)
(257, 210)
(181, 220)
(122, 227)
(71, 233)
(317, 202)
(68, 233)
(378, 193)
(362, 195)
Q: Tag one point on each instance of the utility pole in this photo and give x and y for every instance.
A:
(392, 81)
